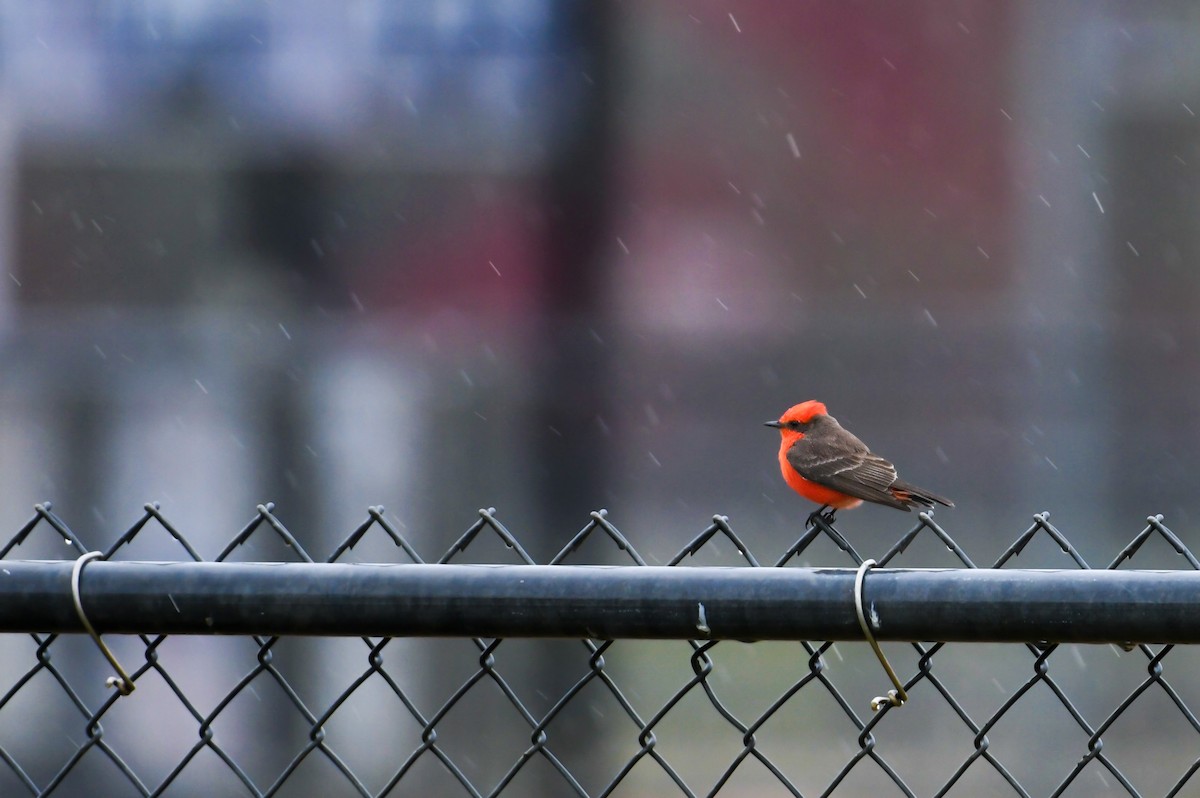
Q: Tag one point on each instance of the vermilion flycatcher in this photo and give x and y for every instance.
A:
(828, 465)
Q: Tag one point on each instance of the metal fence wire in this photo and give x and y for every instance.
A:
(345, 678)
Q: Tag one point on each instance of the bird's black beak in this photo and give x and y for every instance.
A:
(775, 424)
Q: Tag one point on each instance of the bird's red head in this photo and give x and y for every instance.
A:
(789, 423)
(804, 412)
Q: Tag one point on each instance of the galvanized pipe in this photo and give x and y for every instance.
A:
(603, 602)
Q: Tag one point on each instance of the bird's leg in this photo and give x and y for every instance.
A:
(824, 513)
(822, 520)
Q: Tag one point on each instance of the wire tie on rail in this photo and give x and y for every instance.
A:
(121, 681)
(895, 697)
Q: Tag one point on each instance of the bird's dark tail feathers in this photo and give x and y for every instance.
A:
(912, 496)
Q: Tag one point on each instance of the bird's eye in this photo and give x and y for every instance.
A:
(796, 425)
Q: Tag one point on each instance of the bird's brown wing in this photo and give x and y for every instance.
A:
(835, 458)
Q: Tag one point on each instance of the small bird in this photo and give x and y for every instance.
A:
(825, 464)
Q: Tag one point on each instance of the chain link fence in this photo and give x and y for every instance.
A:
(350, 701)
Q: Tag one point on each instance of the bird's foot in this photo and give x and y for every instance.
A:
(823, 513)
(822, 521)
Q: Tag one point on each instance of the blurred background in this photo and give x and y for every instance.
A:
(557, 256)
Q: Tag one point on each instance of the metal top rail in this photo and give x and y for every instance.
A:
(603, 602)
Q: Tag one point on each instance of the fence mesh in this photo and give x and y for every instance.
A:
(378, 716)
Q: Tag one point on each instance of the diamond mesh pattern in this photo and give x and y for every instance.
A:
(376, 716)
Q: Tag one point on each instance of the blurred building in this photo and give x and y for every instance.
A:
(553, 256)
